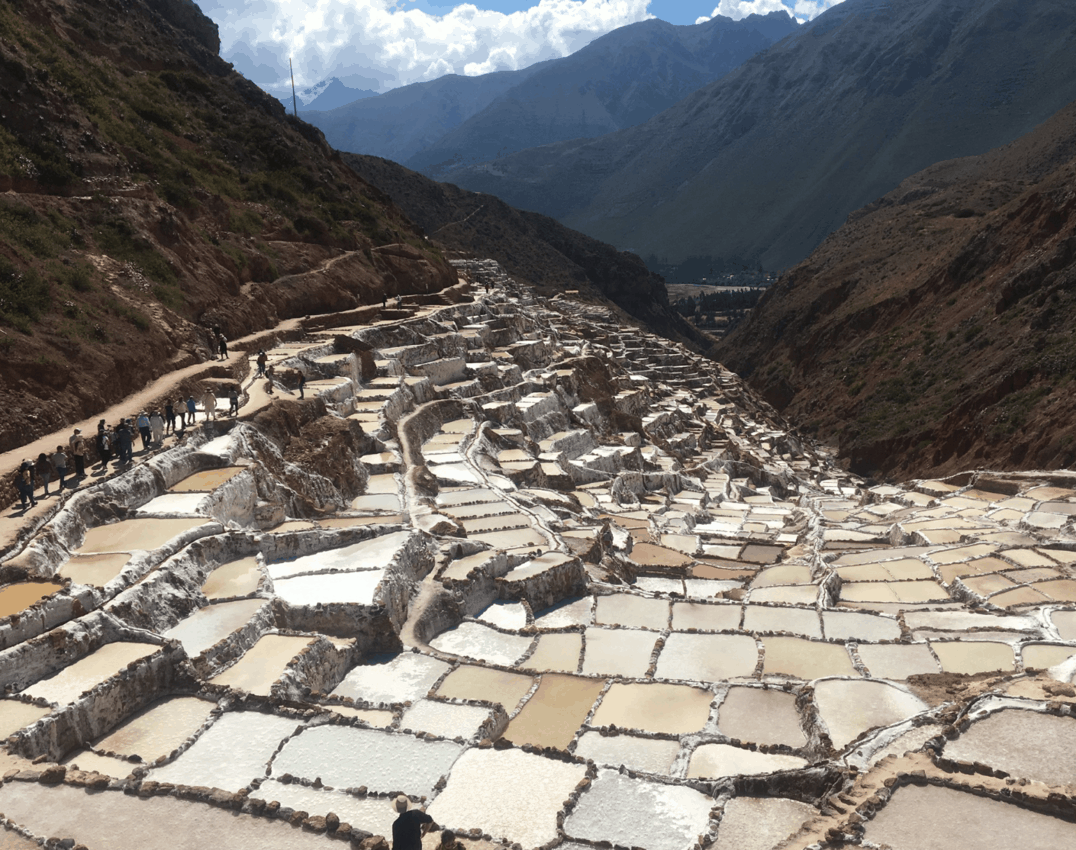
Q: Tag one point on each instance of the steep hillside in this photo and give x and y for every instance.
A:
(533, 248)
(619, 80)
(149, 192)
(761, 165)
(936, 330)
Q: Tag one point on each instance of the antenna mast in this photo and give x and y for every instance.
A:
(294, 108)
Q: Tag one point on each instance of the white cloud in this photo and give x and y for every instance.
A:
(376, 44)
(802, 9)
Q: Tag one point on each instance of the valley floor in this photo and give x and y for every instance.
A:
(563, 583)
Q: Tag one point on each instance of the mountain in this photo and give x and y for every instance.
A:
(148, 192)
(533, 248)
(936, 330)
(619, 80)
(761, 165)
(329, 94)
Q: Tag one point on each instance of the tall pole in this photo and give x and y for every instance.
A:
(294, 108)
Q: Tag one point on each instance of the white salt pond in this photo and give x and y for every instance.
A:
(635, 813)
(231, 753)
(571, 612)
(405, 678)
(850, 707)
(707, 658)
(618, 652)
(1027, 744)
(236, 578)
(446, 720)
(208, 626)
(263, 664)
(158, 730)
(713, 761)
(761, 716)
(372, 814)
(509, 794)
(175, 504)
(347, 757)
(649, 755)
(474, 640)
(760, 823)
(355, 588)
(373, 554)
(86, 673)
(505, 615)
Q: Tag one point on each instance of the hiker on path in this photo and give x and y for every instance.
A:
(143, 429)
(98, 443)
(191, 408)
(407, 828)
(59, 463)
(24, 483)
(223, 347)
(124, 441)
(43, 468)
(209, 404)
(108, 444)
(169, 417)
(302, 385)
(262, 359)
(181, 412)
(78, 449)
(233, 402)
(156, 427)
(269, 380)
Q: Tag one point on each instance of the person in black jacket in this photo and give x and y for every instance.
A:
(407, 828)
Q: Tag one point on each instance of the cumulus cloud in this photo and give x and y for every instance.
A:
(802, 9)
(378, 45)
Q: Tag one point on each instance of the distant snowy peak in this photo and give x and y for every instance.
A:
(327, 94)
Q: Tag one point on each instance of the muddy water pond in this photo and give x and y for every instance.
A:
(94, 570)
(210, 479)
(237, 578)
(486, 685)
(15, 715)
(555, 712)
(556, 653)
(654, 707)
(16, 598)
(135, 534)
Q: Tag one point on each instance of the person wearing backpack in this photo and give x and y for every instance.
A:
(78, 449)
(59, 463)
(24, 483)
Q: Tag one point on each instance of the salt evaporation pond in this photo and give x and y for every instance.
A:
(236, 578)
(572, 612)
(805, 659)
(444, 719)
(133, 535)
(760, 823)
(94, 570)
(182, 504)
(210, 479)
(231, 753)
(558, 653)
(654, 707)
(761, 716)
(935, 818)
(508, 794)
(851, 707)
(510, 616)
(707, 658)
(626, 609)
(86, 673)
(618, 652)
(474, 640)
(263, 664)
(650, 755)
(897, 660)
(486, 685)
(347, 757)
(635, 813)
(16, 598)
(714, 761)
(158, 730)
(355, 588)
(406, 678)
(555, 711)
(372, 814)
(16, 715)
(208, 626)
(707, 618)
(1027, 744)
(373, 554)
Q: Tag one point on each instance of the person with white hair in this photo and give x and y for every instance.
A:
(407, 828)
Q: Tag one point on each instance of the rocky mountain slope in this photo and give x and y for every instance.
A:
(616, 81)
(936, 330)
(533, 248)
(150, 192)
(761, 165)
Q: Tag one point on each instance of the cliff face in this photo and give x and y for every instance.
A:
(149, 191)
(936, 330)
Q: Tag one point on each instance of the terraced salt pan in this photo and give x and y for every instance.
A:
(805, 659)
(851, 707)
(86, 673)
(1026, 744)
(707, 658)
(693, 615)
(486, 685)
(208, 626)
(354, 588)
(444, 719)
(760, 823)
(94, 570)
(558, 653)
(181, 504)
(556, 710)
(938, 818)
(1044, 656)
(119, 768)
(210, 479)
(847, 625)
(529, 793)
(473, 640)
(237, 578)
(263, 664)
(505, 615)
(529, 538)
(347, 757)
(897, 661)
(970, 657)
(407, 677)
(367, 555)
(372, 814)
(618, 652)
(634, 813)
(15, 715)
(134, 535)
(654, 707)
(377, 717)
(714, 761)
(158, 730)
(802, 621)
(231, 753)
(626, 609)
(646, 754)
(381, 502)
(570, 612)
(16, 598)
(761, 716)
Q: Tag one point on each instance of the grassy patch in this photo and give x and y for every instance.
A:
(24, 296)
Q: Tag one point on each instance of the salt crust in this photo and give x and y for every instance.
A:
(760, 823)
(1027, 744)
(505, 615)
(231, 753)
(473, 640)
(636, 813)
(446, 720)
(373, 554)
(850, 707)
(713, 761)
(649, 755)
(407, 677)
(86, 673)
(347, 757)
(509, 794)
(372, 814)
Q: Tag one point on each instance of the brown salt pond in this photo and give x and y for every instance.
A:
(210, 479)
(486, 685)
(1043, 655)
(15, 715)
(94, 570)
(937, 818)
(157, 730)
(88, 672)
(761, 716)
(237, 578)
(760, 823)
(805, 659)
(16, 598)
(208, 626)
(555, 711)
(970, 657)
(135, 534)
(114, 819)
(654, 707)
(557, 653)
(652, 555)
(263, 664)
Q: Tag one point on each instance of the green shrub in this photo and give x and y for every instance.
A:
(24, 296)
